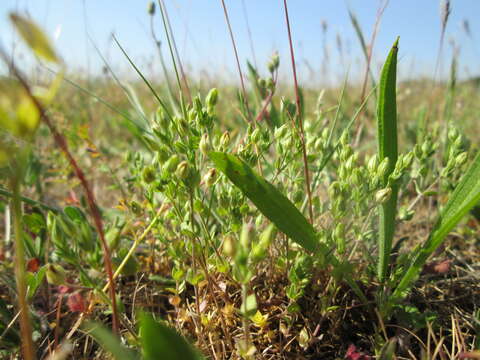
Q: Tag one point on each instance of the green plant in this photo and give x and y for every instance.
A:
(157, 340)
(387, 149)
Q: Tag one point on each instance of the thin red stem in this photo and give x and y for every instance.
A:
(97, 218)
(299, 114)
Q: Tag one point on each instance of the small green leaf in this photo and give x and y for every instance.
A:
(271, 202)
(387, 148)
(34, 37)
(388, 350)
(162, 342)
(110, 342)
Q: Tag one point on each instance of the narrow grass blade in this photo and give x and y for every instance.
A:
(363, 43)
(110, 342)
(465, 196)
(271, 202)
(149, 85)
(161, 342)
(387, 148)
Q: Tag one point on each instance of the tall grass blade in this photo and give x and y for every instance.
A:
(271, 202)
(387, 148)
(149, 85)
(278, 209)
(162, 342)
(465, 196)
(109, 342)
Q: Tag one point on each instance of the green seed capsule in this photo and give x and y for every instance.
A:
(183, 170)
(204, 144)
(56, 274)
(151, 8)
(210, 177)
(383, 195)
(148, 174)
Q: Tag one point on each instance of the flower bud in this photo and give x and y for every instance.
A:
(274, 62)
(346, 152)
(210, 177)
(383, 167)
(372, 164)
(204, 144)
(407, 160)
(225, 140)
(56, 274)
(339, 235)
(183, 170)
(151, 8)
(229, 246)
(148, 174)
(211, 99)
(334, 190)
(280, 132)
(259, 250)
(247, 235)
(461, 159)
(452, 134)
(426, 147)
(350, 163)
(256, 135)
(383, 195)
(172, 163)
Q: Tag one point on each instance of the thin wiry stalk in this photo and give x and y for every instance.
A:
(28, 348)
(158, 46)
(299, 115)
(368, 51)
(445, 10)
(245, 99)
(174, 43)
(173, 49)
(252, 48)
(380, 12)
(62, 144)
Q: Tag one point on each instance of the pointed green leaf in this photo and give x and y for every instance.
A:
(162, 342)
(465, 196)
(387, 148)
(34, 37)
(109, 342)
(271, 202)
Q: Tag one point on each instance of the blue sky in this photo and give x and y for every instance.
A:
(203, 41)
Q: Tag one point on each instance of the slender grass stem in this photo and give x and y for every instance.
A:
(174, 43)
(239, 68)
(299, 115)
(28, 348)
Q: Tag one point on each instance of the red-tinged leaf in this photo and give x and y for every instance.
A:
(354, 354)
(64, 289)
(437, 267)
(76, 302)
(72, 198)
(33, 265)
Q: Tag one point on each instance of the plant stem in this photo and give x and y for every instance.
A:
(245, 323)
(62, 144)
(299, 114)
(25, 326)
(172, 46)
(245, 99)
